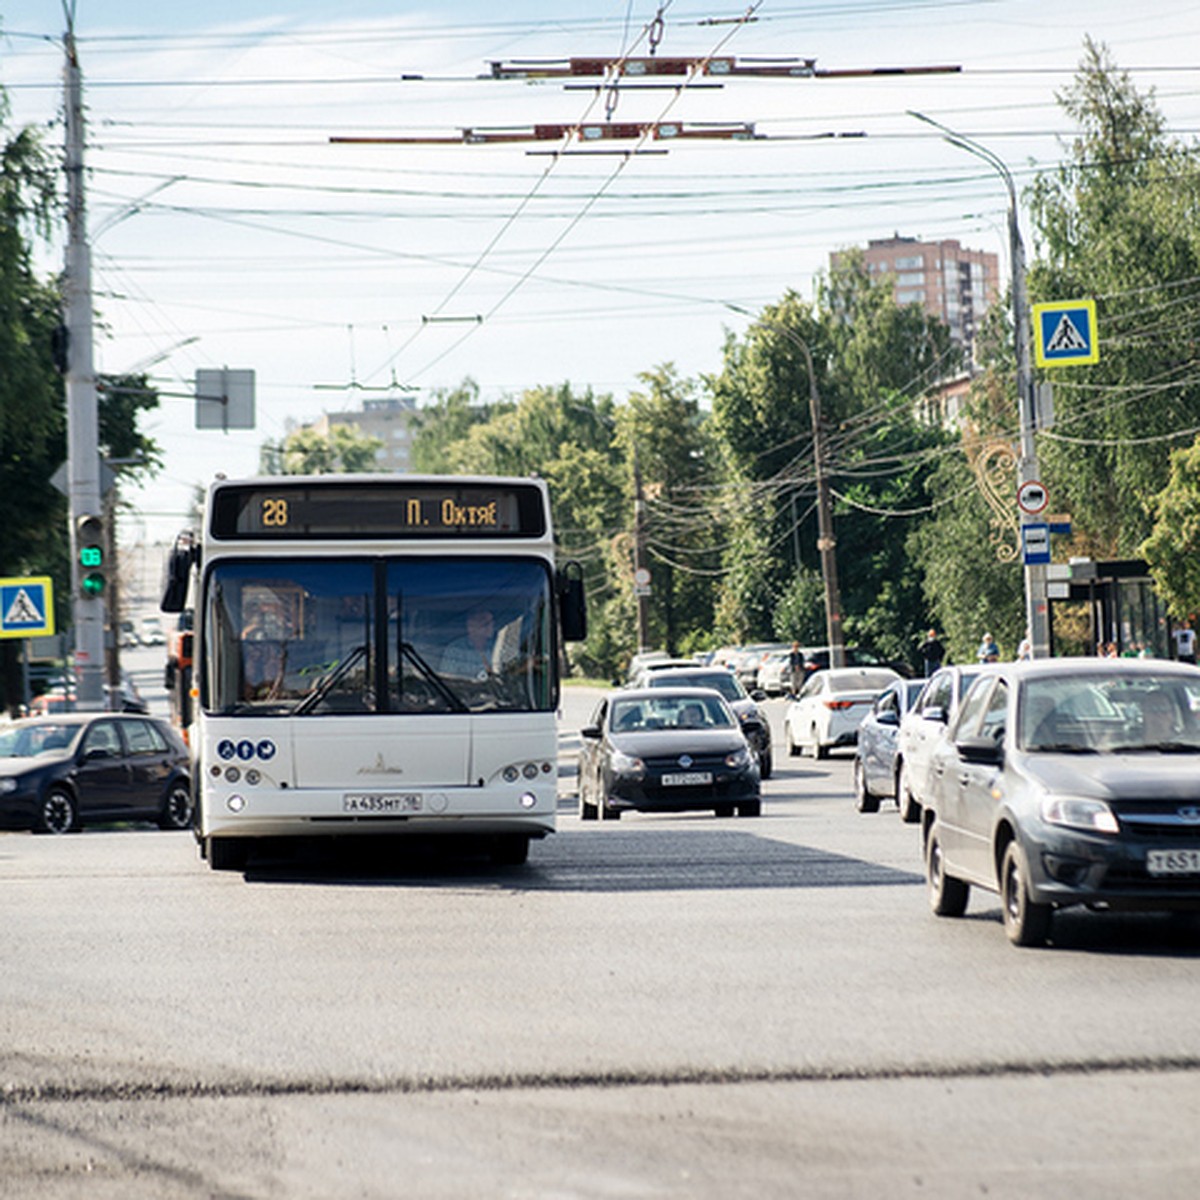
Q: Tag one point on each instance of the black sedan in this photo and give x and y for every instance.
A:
(666, 750)
(1065, 782)
(58, 773)
(744, 704)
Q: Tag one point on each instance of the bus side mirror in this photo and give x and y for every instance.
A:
(572, 607)
(177, 573)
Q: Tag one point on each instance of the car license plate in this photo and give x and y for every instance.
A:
(684, 778)
(381, 802)
(1173, 862)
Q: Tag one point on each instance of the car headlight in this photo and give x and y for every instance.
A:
(1075, 813)
(738, 759)
(8, 785)
(626, 763)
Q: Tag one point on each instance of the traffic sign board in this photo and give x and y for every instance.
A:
(1065, 333)
(1032, 497)
(26, 606)
(1035, 542)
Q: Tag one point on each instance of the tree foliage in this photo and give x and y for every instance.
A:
(1117, 221)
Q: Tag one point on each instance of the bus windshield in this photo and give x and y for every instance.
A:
(307, 636)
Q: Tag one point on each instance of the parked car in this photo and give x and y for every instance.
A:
(1066, 782)
(775, 673)
(61, 772)
(749, 660)
(744, 704)
(922, 727)
(875, 751)
(666, 750)
(830, 706)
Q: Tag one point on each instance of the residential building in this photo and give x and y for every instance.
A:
(949, 282)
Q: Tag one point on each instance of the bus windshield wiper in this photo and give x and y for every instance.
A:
(432, 677)
(325, 685)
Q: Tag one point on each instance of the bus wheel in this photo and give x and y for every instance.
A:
(510, 849)
(227, 854)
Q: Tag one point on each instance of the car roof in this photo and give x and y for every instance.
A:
(658, 694)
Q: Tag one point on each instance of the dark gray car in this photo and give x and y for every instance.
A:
(1065, 782)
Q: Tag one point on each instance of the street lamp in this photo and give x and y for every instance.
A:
(1036, 605)
(826, 542)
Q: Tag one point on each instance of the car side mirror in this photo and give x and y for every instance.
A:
(590, 731)
(888, 718)
(983, 750)
(758, 695)
(935, 712)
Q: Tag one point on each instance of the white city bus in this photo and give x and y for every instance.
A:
(374, 655)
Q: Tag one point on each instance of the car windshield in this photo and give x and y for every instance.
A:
(25, 741)
(1118, 714)
(670, 712)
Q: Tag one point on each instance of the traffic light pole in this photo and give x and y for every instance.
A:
(83, 444)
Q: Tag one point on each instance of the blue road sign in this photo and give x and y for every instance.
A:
(1065, 333)
(1035, 543)
(26, 606)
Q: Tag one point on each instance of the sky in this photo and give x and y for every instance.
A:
(228, 230)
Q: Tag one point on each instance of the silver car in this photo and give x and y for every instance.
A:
(1068, 782)
(922, 728)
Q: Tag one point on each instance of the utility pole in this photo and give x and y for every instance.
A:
(83, 443)
(1037, 606)
(641, 573)
(826, 541)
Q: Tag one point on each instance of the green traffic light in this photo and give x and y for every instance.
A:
(92, 585)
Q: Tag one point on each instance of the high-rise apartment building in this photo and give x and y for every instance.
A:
(949, 282)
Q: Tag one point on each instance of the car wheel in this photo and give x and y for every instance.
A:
(1026, 922)
(947, 896)
(864, 799)
(176, 812)
(724, 810)
(792, 748)
(819, 750)
(58, 812)
(750, 808)
(606, 813)
(765, 765)
(910, 810)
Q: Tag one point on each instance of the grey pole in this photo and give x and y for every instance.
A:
(1037, 608)
(83, 445)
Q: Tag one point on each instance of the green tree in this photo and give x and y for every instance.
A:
(1173, 547)
(1117, 221)
(343, 450)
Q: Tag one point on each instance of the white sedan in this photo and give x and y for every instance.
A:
(831, 706)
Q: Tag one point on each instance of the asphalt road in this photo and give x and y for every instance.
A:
(670, 1006)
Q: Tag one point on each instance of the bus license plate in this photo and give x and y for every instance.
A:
(381, 802)
(1173, 862)
(684, 778)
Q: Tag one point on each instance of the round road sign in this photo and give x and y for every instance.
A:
(1032, 497)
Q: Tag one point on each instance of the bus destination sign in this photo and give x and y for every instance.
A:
(377, 510)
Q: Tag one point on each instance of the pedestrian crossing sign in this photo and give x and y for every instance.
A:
(26, 606)
(1065, 333)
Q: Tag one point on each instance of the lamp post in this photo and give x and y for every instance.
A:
(1036, 604)
(826, 542)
